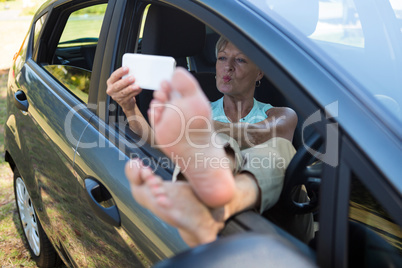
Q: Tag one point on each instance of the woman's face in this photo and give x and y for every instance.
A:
(236, 74)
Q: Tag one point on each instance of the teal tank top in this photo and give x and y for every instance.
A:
(257, 113)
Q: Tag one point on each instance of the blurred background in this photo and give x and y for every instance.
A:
(15, 18)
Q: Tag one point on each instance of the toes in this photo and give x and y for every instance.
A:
(156, 187)
(154, 182)
(163, 201)
(159, 192)
(132, 171)
(146, 173)
(162, 95)
(155, 111)
(147, 188)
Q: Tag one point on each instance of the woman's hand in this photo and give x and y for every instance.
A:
(281, 122)
(123, 90)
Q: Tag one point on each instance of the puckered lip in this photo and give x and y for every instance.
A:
(227, 78)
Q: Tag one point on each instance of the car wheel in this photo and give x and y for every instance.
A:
(40, 247)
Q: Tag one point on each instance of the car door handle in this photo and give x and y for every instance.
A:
(21, 101)
(98, 196)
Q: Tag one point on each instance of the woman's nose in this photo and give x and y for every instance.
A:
(229, 65)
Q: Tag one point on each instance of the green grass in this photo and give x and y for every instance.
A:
(13, 250)
(91, 18)
(3, 112)
(74, 28)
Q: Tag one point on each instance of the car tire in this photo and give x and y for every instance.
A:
(40, 247)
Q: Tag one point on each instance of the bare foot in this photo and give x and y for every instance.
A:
(181, 118)
(176, 204)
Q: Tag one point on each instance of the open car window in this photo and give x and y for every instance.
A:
(72, 60)
(192, 44)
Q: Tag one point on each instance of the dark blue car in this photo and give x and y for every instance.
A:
(337, 63)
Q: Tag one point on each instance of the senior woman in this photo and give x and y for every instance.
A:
(237, 77)
(254, 176)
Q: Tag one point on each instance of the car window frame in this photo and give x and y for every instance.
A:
(58, 14)
(39, 39)
(112, 114)
(81, 69)
(221, 24)
(123, 35)
(284, 80)
(112, 39)
(115, 38)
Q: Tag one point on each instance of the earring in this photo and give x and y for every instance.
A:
(258, 83)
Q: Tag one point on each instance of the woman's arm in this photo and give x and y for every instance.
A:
(123, 91)
(281, 122)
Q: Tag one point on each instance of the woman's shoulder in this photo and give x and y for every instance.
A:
(262, 106)
(216, 103)
(282, 111)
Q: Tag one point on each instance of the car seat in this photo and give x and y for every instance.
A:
(171, 32)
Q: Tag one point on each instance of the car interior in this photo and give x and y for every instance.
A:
(192, 44)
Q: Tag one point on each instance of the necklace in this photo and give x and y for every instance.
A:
(242, 119)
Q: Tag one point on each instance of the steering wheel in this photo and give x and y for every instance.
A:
(301, 172)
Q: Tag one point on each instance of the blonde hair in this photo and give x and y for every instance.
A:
(221, 43)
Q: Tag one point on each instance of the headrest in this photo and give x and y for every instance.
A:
(207, 82)
(171, 32)
(209, 51)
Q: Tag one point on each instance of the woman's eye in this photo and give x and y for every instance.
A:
(240, 60)
(221, 58)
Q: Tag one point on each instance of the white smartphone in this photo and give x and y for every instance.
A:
(149, 70)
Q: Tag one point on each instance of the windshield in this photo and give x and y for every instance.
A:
(364, 37)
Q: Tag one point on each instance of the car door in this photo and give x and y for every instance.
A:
(58, 81)
(45, 139)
